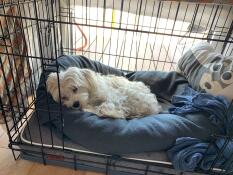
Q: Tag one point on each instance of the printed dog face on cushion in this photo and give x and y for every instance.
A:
(104, 95)
(205, 69)
(218, 76)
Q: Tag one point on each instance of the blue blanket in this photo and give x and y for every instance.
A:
(189, 153)
(191, 101)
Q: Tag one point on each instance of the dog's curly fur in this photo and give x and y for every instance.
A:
(105, 95)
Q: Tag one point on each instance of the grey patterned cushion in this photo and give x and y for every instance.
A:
(207, 70)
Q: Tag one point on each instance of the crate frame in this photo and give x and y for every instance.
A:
(49, 29)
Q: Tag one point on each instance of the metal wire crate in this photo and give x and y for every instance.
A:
(130, 35)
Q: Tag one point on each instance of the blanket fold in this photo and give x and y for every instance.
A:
(189, 153)
(191, 101)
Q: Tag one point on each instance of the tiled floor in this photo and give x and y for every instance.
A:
(8, 166)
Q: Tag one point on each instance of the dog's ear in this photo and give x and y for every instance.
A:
(90, 76)
(51, 83)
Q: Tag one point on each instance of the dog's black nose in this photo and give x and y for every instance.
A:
(76, 104)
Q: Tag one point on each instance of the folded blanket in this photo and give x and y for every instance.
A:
(188, 153)
(191, 101)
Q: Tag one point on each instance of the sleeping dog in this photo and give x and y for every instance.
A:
(104, 95)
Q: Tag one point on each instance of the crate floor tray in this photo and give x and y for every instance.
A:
(77, 157)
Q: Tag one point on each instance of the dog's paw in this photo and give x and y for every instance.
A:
(109, 110)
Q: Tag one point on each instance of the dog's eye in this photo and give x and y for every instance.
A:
(75, 90)
(64, 98)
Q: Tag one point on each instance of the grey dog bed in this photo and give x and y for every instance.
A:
(115, 136)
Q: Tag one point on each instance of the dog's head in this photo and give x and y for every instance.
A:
(75, 86)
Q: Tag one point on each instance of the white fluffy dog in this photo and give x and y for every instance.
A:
(104, 95)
